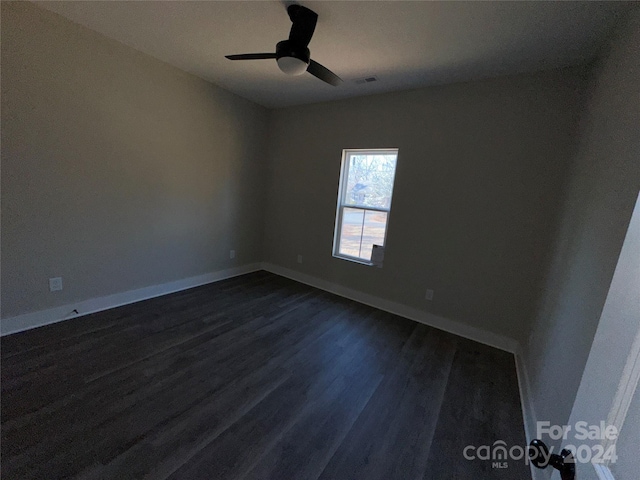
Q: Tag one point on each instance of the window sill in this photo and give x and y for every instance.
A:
(354, 260)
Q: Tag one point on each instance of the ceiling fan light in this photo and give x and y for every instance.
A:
(292, 65)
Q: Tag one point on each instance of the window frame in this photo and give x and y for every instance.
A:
(340, 205)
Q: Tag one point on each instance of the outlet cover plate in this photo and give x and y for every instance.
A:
(55, 284)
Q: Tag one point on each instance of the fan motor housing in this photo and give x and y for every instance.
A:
(287, 49)
(292, 59)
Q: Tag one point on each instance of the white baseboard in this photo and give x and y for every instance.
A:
(528, 410)
(488, 338)
(40, 318)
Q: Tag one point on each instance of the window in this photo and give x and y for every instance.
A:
(364, 202)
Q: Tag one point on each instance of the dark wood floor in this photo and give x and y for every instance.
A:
(254, 377)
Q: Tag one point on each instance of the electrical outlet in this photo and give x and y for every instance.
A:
(232, 254)
(429, 295)
(299, 258)
(55, 284)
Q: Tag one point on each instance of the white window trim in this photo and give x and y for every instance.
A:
(340, 207)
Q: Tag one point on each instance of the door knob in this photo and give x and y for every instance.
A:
(564, 463)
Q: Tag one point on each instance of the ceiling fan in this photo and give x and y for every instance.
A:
(292, 55)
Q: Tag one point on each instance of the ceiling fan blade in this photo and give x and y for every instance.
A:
(323, 73)
(304, 24)
(251, 56)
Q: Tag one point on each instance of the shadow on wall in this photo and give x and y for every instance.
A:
(598, 205)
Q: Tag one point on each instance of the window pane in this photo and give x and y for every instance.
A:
(370, 180)
(351, 231)
(375, 224)
(361, 230)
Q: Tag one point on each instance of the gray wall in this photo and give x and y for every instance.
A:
(605, 180)
(118, 171)
(479, 173)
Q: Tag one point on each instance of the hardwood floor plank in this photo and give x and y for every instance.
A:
(324, 368)
(254, 377)
(222, 354)
(478, 409)
(305, 449)
(64, 372)
(167, 450)
(400, 415)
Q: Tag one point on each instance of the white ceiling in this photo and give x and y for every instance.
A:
(405, 44)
